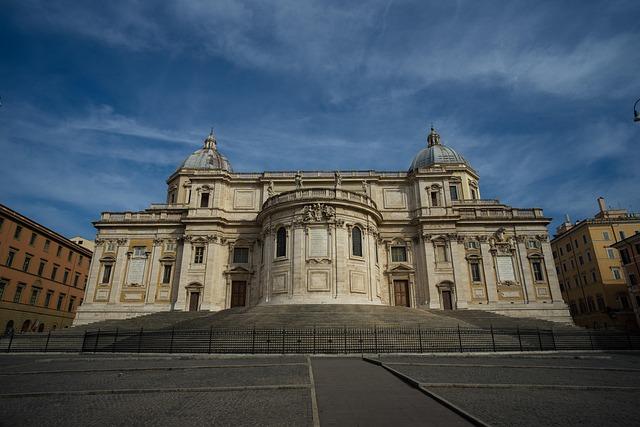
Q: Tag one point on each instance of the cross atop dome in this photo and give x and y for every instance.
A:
(210, 142)
(433, 138)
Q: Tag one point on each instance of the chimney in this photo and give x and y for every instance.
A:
(603, 207)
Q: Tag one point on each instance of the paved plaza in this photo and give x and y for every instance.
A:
(587, 389)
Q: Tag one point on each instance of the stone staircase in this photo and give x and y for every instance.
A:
(322, 316)
(486, 319)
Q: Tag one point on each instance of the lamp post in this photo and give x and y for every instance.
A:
(636, 113)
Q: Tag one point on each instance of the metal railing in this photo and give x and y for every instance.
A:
(320, 340)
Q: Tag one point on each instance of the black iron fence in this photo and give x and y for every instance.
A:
(320, 340)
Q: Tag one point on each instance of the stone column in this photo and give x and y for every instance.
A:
(94, 274)
(489, 273)
(119, 271)
(527, 276)
(181, 297)
(430, 268)
(552, 277)
(460, 274)
(151, 282)
(210, 277)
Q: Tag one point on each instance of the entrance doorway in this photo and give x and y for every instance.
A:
(447, 302)
(194, 301)
(401, 293)
(238, 293)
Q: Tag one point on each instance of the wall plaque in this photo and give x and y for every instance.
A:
(136, 271)
(504, 265)
(318, 243)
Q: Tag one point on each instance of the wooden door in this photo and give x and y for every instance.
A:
(401, 292)
(238, 293)
(446, 300)
(194, 299)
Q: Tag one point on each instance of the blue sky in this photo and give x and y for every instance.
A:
(102, 100)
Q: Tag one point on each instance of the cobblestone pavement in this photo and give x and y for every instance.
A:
(517, 390)
(592, 389)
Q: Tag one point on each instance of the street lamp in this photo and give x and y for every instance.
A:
(636, 113)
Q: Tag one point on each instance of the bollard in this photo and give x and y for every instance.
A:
(459, 338)
(139, 339)
(493, 341)
(46, 346)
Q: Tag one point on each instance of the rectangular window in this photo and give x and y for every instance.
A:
(80, 258)
(65, 277)
(204, 200)
(633, 280)
(568, 247)
(106, 273)
(589, 256)
(584, 239)
(473, 194)
(605, 235)
(47, 243)
(139, 251)
(54, 272)
(564, 267)
(34, 296)
(69, 256)
(561, 252)
(555, 254)
(3, 285)
(25, 264)
(533, 244)
(622, 235)
(624, 255)
(32, 241)
(47, 298)
(59, 251)
(75, 280)
(581, 260)
(398, 254)
(441, 253)
(600, 302)
(240, 255)
(41, 267)
(16, 234)
(170, 247)
(473, 244)
(434, 199)
(60, 300)
(537, 271)
(593, 276)
(10, 257)
(610, 253)
(616, 273)
(575, 242)
(624, 301)
(72, 301)
(454, 192)
(475, 271)
(18, 294)
(198, 255)
(166, 273)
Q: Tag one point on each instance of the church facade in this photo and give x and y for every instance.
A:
(420, 238)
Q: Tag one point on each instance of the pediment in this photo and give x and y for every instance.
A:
(400, 268)
(238, 270)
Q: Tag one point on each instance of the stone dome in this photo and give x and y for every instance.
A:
(208, 157)
(436, 153)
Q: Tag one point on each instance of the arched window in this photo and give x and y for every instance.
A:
(25, 326)
(356, 241)
(281, 242)
(8, 330)
(41, 327)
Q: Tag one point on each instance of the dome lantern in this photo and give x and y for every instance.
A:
(208, 157)
(436, 153)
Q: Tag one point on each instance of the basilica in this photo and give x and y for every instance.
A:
(421, 238)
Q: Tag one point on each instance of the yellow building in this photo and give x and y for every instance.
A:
(42, 275)
(591, 278)
(630, 256)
